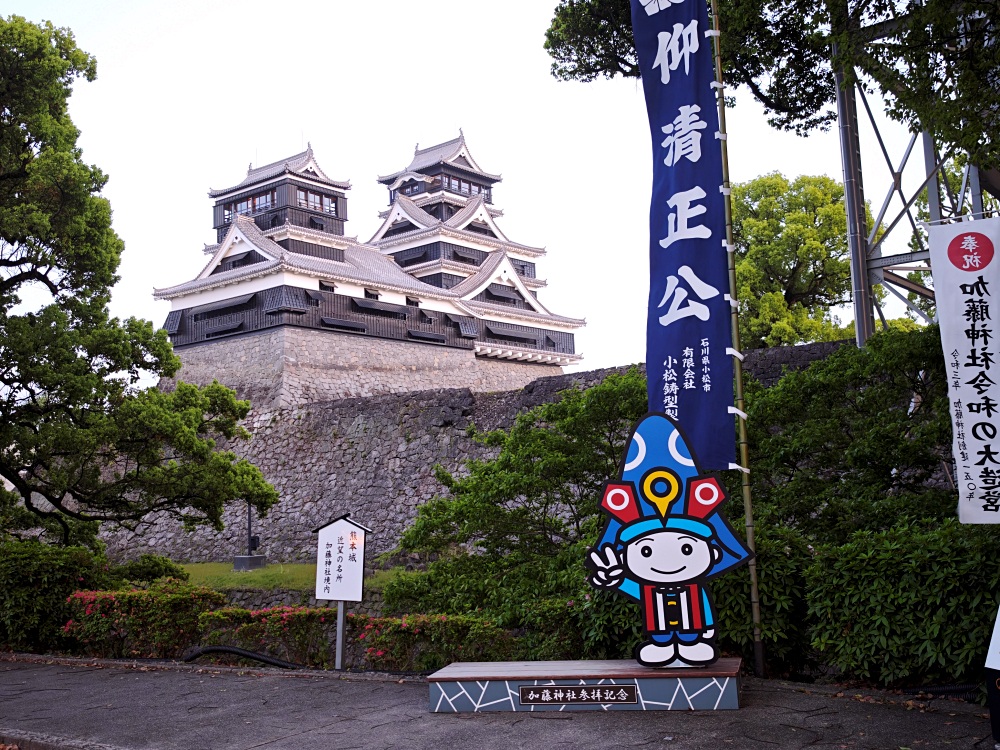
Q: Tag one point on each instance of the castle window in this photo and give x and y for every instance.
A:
(300, 198)
(503, 293)
(219, 309)
(315, 202)
(327, 286)
(413, 302)
(227, 213)
(223, 328)
(411, 189)
(510, 333)
(382, 309)
(264, 201)
(329, 205)
(475, 189)
(371, 294)
(437, 338)
(173, 322)
(345, 325)
(244, 207)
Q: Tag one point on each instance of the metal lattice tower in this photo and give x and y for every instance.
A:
(871, 262)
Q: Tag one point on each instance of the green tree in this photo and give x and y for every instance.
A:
(858, 441)
(936, 62)
(792, 261)
(80, 442)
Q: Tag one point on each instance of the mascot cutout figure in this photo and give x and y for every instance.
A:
(664, 539)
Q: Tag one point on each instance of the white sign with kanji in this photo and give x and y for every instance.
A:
(967, 292)
(340, 561)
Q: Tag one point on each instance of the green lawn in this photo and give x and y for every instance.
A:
(297, 577)
(221, 576)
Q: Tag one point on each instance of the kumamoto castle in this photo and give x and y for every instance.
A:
(366, 362)
(288, 310)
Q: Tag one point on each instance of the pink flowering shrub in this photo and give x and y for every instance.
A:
(159, 622)
(421, 643)
(301, 635)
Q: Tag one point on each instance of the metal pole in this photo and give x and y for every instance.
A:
(933, 186)
(338, 663)
(854, 201)
(249, 529)
(744, 449)
(977, 192)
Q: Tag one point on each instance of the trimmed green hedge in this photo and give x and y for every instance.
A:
(912, 605)
(296, 634)
(555, 614)
(158, 623)
(421, 643)
(35, 580)
(783, 557)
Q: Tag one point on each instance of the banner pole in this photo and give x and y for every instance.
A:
(744, 450)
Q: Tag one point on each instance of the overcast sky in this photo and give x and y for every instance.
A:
(189, 93)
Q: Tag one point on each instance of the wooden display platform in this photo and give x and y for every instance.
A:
(625, 685)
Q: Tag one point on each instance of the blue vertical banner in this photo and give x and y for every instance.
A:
(688, 327)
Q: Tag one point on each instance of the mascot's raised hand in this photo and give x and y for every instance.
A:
(608, 571)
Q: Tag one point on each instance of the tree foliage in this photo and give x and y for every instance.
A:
(857, 441)
(80, 441)
(792, 260)
(935, 62)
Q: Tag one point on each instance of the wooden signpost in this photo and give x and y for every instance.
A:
(340, 568)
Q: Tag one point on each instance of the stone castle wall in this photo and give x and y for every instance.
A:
(372, 457)
(287, 366)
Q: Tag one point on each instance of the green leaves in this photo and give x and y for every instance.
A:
(936, 63)
(590, 39)
(79, 442)
(855, 441)
(913, 605)
(792, 262)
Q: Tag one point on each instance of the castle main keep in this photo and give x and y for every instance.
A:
(289, 310)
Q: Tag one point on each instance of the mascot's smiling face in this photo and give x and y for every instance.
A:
(669, 556)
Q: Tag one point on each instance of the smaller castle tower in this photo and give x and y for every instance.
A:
(293, 191)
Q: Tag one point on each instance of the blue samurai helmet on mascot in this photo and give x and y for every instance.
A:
(664, 539)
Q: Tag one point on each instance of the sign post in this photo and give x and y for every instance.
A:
(340, 568)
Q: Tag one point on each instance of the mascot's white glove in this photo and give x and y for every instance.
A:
(608, 569)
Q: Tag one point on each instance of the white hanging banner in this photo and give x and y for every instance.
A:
(967, 293)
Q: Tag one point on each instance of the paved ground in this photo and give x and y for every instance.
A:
(71, 704)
